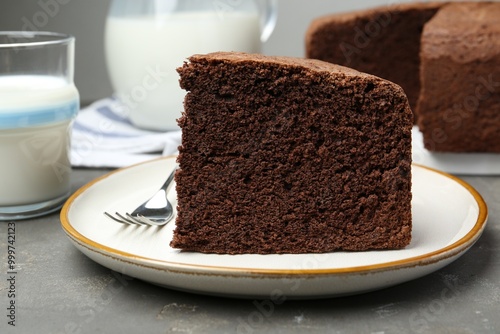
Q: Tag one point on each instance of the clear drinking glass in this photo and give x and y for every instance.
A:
(145, 41)
(38, 102)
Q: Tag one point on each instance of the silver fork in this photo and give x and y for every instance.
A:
(155, 211)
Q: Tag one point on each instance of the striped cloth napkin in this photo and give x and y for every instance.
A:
(103, 137)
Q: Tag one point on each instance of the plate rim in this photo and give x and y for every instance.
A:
(435, 256)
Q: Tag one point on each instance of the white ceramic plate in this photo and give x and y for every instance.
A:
(448, 217)
(454, 163)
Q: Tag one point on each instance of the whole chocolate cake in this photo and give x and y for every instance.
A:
(446, 56)
(288, 155)
(459, 106)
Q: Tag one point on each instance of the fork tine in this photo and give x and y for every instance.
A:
(136, 220)
(116, 219)
(124, 220)
(128, 221)
(153, 221)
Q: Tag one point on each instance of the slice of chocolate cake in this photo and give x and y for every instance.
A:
(383, 41)
(286, 155)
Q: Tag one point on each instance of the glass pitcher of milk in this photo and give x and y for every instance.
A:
(146, 41)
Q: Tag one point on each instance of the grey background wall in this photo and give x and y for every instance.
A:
(85, 20)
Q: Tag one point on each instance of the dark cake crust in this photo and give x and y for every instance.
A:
(284, 155)
(459, 106)
(383, 41)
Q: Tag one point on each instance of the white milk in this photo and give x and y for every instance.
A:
(144, 52)
(35, 117)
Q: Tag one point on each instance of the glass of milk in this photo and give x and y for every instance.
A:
(145, 41)
(38, 102)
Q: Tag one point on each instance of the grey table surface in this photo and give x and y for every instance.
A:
(60, 290)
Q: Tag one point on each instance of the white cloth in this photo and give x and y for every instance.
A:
(102, 136)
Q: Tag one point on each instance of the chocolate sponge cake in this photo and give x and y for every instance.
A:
(445, 55)
(288, 155)
(459, 106)
(383, 41)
